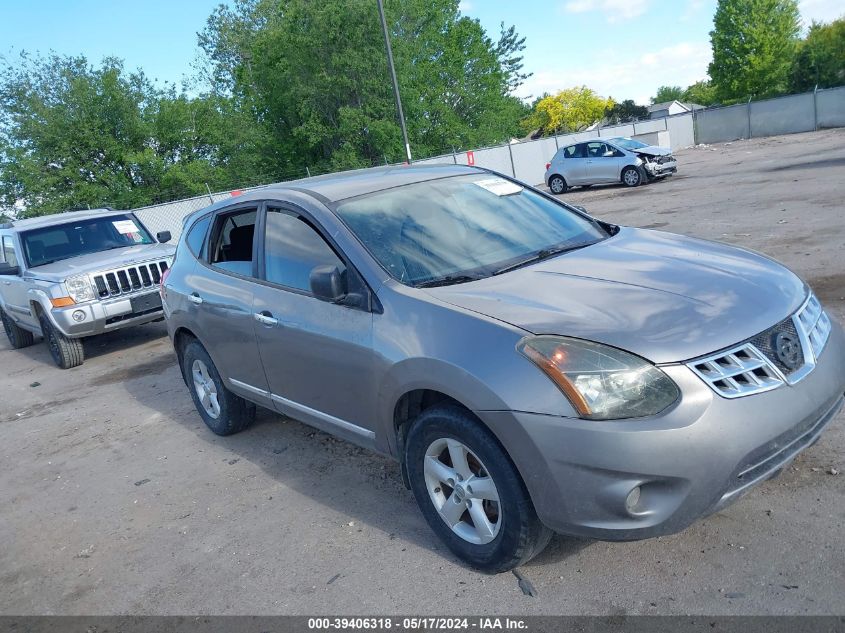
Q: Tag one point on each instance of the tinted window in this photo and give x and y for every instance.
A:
(63, 241)
(232, 242)
(9, 251)
(461, 225)
(573, 151)
(196, 236)
(292, 249)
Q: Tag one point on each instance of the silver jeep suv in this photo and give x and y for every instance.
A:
(78, 274)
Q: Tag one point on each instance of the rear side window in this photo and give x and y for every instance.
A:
(196, 236)
(574, 151)
(9, 251)
(232, 242)
(292, 249)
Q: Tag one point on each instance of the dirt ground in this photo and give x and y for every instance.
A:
(116, 499)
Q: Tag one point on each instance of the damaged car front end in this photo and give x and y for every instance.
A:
(656, 161)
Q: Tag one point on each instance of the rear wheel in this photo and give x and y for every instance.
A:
(557, 184)
(221, 410)
(632, 177)
(470, 493)
(18, 337)
(66, 352)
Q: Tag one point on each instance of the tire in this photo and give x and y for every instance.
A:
(67, 353)
(18, 337)
(632, 176)
(511, 534)
(557, 184)
(222, 411)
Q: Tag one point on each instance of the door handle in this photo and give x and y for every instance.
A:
(195, 298)
(265, 318)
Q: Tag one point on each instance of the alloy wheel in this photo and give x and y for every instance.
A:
(462, 491)
(205, 388)
(632, 177)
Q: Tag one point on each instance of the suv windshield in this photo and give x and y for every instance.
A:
(63, 241)
(462, 228)
(629, 143)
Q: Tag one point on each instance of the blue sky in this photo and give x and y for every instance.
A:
(620, 48)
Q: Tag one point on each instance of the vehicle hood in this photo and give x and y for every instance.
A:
(653, 150)
(96, 262)
(665, 297)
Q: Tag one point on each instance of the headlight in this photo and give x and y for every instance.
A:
(79, 289)
(601, 382)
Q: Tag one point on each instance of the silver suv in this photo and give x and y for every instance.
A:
(532, 368)
(77, 274)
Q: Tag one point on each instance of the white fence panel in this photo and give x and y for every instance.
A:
(495, 158)
(722, 124)
(647, 127)
(831, 107)
(784, 115)
(530, 159)
(681, 132)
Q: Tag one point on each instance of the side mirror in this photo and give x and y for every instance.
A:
(580, 208)
(7, 269)
(164, 236)
(328, 284)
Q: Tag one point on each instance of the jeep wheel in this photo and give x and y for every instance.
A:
(470, 493)
(18, 337)
(66, 352)
(221, 410)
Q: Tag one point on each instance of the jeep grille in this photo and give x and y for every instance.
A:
(123, 281)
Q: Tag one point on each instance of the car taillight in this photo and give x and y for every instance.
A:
(547, 166)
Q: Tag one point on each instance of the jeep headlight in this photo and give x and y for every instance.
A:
(601, 382)
(79, 289)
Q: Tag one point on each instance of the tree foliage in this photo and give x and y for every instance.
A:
(668, 93)
(625, 112)
(569, 110)
(820, 60)
(753, 44)
(701, 93)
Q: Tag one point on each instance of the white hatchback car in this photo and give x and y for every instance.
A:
(607, 161)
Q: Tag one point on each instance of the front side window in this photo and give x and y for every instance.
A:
(72, 239)
(292, 249)
(462, 225)
(9, 255)
(232, 242)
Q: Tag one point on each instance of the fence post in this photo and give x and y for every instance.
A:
(816, 107)
(454, 156)
(307, 171)
(694, 127)
(634, 127)
(510, 153)
(557, 147)
(748, 112)
(208, 189)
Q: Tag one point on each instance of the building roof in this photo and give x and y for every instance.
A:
(688, 106)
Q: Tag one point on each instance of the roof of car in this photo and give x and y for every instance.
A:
(59, 218)
(349, 184)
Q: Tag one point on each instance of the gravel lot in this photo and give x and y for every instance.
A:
(116, 499)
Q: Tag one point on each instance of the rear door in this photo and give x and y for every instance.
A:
(573, 164)
(15, 289)
(317, 356)
(220, 297)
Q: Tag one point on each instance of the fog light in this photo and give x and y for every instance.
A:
(632, 499)
(78, 316)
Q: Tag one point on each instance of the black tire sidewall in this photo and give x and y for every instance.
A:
(232, 409)
(515, 541)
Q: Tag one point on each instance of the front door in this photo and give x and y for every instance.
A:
(604, 163)
(317, 355)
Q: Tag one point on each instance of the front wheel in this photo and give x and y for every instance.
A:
(557, 184)
(66, 352)
(470, 493)
(222, 411)
(632, 177)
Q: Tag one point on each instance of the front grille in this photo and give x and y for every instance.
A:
(741, 371)
(755, 366)
(123, 281)
(765, 342)
(665, 159)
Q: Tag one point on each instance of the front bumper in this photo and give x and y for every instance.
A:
(690, 461)
(104, 316)
(656, 170)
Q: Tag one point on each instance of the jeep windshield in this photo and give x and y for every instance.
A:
(458, 229)
(72, 239)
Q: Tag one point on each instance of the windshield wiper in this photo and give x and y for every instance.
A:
(448, 280)
(540, 255)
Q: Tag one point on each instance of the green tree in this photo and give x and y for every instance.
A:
(668, 93)
(625, 111)
(754, 45)
(820, 60)
(75, 136)
(569, 110)
(315, 76)
(701, 92)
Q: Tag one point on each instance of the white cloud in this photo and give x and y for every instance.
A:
(619, 75)
(821, 10)
(614, 10)
(465, 6)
